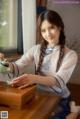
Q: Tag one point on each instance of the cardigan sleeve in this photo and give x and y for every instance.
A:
(66, 69)
(26, 60)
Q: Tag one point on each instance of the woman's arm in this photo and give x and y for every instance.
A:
(66, 69)
(18, 67)
(62, 75)
(30, 79)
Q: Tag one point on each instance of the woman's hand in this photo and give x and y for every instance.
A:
(1, 56)
(23, 81)
(30, 79)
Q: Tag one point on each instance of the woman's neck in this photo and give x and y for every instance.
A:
(51, 45)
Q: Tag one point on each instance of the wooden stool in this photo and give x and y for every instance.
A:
(14, 97)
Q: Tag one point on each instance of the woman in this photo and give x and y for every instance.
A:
(53, 60)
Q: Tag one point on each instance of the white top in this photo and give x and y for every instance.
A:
(49, 67)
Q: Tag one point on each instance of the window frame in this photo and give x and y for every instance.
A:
(14, 29)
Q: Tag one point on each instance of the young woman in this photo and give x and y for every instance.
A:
(53, 60)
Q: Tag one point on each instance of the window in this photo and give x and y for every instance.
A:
(8, 24)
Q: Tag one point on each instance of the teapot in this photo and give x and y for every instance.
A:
(4, 67)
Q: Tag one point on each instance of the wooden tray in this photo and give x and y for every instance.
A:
(14, 97)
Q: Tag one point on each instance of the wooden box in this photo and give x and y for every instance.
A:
(14, 97)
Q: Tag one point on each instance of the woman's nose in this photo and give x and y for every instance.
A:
(48, 32)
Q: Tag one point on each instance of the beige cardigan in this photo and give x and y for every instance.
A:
(49, 67)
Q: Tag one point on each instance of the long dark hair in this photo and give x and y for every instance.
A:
(55, 19)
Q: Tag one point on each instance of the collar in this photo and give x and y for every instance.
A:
(52, 49)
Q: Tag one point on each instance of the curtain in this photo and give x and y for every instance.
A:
(29, 23)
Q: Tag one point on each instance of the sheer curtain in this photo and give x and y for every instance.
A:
(29, 28)
(29, 23)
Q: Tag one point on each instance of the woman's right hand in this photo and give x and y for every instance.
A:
(23, 81)
(1, 56)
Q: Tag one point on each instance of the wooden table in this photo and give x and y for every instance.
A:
(14, 97)
(39, 108)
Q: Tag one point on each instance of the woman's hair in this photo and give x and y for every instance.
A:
(53, 18)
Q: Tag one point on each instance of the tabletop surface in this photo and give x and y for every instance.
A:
(39, 107)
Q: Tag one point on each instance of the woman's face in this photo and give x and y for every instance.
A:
(50, 32)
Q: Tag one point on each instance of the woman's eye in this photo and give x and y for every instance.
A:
(43, 30)
(52, 27)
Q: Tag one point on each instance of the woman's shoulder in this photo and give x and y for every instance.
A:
(68, 50)
(71, 53)
(36, 46)
(35, 49)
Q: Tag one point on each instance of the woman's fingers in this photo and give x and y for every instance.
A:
(17, 84)
(18, 79)
(22, 81)
(23, 86)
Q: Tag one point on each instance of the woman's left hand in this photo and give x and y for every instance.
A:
(23, 81)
